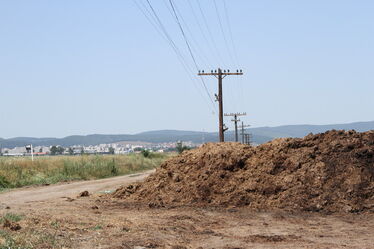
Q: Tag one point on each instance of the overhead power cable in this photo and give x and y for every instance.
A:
(156, 22)
(240, 79)
(194, 44)
(207, 41)
(209, 32)
(230, 30)
(222, 30)
(189, 47)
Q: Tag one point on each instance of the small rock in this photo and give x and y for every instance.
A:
(84, 194)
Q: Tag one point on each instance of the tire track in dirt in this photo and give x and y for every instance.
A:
(19, 197)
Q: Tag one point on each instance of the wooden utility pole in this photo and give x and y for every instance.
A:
(247, 138)
(219, 74)
(243, 134)
(235, 120)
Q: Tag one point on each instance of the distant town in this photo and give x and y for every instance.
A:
(112, 148)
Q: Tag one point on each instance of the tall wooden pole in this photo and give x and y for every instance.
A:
(243, 134)
(220, 105)
(236, 120)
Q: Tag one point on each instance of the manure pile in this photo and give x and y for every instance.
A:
(330, 172)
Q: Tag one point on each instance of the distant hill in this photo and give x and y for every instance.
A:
(303, 130)
(259, 135)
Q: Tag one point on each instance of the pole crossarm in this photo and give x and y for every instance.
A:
(235, 114)
(220, 74)
(216, 74)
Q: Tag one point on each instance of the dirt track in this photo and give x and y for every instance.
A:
(43, 193)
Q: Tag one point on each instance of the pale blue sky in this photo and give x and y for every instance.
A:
(88, 66)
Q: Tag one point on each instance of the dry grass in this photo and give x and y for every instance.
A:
(18, 172)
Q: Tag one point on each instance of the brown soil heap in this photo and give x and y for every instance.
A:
(332, 172)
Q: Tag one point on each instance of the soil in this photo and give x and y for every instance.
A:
(329, 172)
(70, 190)
(53, 217)
(315, 192)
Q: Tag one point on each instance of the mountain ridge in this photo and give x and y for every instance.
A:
(259, 135)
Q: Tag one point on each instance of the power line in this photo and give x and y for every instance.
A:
(209, 32)
(239, 81)
(163, 32)
(184, 35)
(230, 30)
(193, 42)
(222, 30)
(201, 29)
(228, 48)
(189, 47)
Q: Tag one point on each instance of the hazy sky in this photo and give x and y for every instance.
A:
(82, 67)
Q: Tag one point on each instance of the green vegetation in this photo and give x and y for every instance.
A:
(97, 227)
(111, 150)
(71, 151)
(180, 147)
(146, 153)
(30, 237)
(57, 150)
(11, 217)
(18, 172)
(6, 240)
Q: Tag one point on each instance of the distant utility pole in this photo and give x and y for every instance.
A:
(235, 120)
(243, 134)
(203, 136)
(219, 74)
(247, 138)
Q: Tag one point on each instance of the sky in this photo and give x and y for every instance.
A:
(101, 67)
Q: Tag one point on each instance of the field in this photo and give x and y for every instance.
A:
(22, 171)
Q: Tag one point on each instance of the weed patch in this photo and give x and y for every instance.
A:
(11, 217)
(19, 172)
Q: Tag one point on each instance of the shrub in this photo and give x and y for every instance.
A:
(146, 153)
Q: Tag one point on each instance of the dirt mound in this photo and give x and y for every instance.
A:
(332, 172)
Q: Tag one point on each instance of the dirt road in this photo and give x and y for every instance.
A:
(43, 193)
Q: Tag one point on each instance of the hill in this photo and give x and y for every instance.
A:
(259, 135)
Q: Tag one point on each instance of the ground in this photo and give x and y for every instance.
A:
(55, 217)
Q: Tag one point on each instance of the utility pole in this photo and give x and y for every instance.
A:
(235, 120)
(219, 74)
(247, 138)
(203, 136)
(243, 134)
